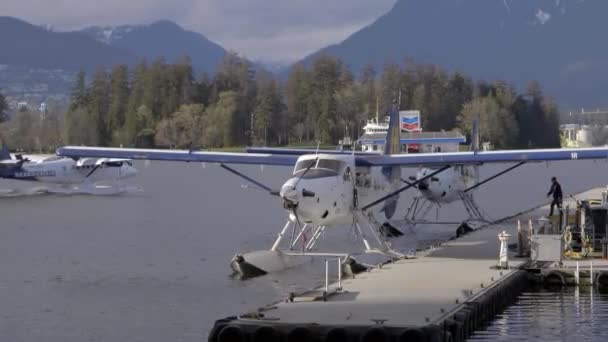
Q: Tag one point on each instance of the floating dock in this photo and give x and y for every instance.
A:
(443, 294)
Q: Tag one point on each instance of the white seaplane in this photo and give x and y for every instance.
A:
(452, 185)
(82, 174)
(331, 190)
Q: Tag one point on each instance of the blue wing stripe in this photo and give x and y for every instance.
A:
(484, 157)
(177, 155)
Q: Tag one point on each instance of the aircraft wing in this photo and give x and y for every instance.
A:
(505, 156)
(302, 151)
(177, 155)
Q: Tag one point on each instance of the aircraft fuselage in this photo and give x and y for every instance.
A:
(326, 189)
(68, 171)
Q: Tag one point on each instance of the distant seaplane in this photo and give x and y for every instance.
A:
(66, 172)
(330, 190)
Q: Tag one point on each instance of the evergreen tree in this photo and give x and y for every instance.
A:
(390, 86)
(298, 91)
(236, 75)
(99, 104)
(3, 109)
(136, 99)
(368, 82)
(267, 112)
(79, 93)
(326, 76)
(154, 88)
(201, 92)
(119, 98)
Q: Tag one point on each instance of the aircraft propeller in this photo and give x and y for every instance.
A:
(289, 204)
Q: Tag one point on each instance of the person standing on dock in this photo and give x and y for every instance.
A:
(556, 190)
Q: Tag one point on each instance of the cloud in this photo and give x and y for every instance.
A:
(270, 30)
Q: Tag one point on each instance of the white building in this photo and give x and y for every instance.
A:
(413, 139)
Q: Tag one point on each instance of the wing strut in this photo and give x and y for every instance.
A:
(92, 171)
(495, 176)
(249, 179)
(395, 193)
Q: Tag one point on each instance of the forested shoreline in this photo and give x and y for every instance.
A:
(159, 104)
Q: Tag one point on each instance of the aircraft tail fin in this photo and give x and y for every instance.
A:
(393, 137)
(392, 173)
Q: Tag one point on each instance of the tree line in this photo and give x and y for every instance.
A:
(165, 105)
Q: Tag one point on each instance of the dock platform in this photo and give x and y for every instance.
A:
(443, 294)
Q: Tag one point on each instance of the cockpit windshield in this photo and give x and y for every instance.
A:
(303, 165)
(330, 164)
(324, 164)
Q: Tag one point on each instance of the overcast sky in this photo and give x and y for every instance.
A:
(267, 30)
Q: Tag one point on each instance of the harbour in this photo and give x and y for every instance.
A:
(326, 172)
(161, 258)
(443, 293)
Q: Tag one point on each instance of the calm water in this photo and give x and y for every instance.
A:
(571, 314)
(153, 266)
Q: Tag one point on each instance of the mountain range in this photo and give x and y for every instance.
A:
(559, 43)
(161, 39)
(37, 47)
(26, 45)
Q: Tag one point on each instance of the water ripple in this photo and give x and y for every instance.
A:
(540, 315)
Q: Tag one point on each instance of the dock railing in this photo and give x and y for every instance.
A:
(339, 288)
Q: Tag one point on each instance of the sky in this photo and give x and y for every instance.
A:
(272, 31)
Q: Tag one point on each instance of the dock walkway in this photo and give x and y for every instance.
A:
(442, 294)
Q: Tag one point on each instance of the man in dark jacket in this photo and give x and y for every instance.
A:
(556, 190)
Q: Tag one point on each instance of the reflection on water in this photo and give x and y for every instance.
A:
(568, 314)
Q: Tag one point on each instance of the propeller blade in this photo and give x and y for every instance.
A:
(395, 193)
(305, 171)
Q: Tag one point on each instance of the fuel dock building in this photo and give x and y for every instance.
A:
(413, 139)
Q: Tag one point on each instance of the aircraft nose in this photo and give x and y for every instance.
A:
(289, 192)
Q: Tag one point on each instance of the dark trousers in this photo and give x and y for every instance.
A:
(557, 201)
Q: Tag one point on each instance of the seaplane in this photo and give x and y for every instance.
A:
(329, 191)
(82, 174)
(452, 185)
